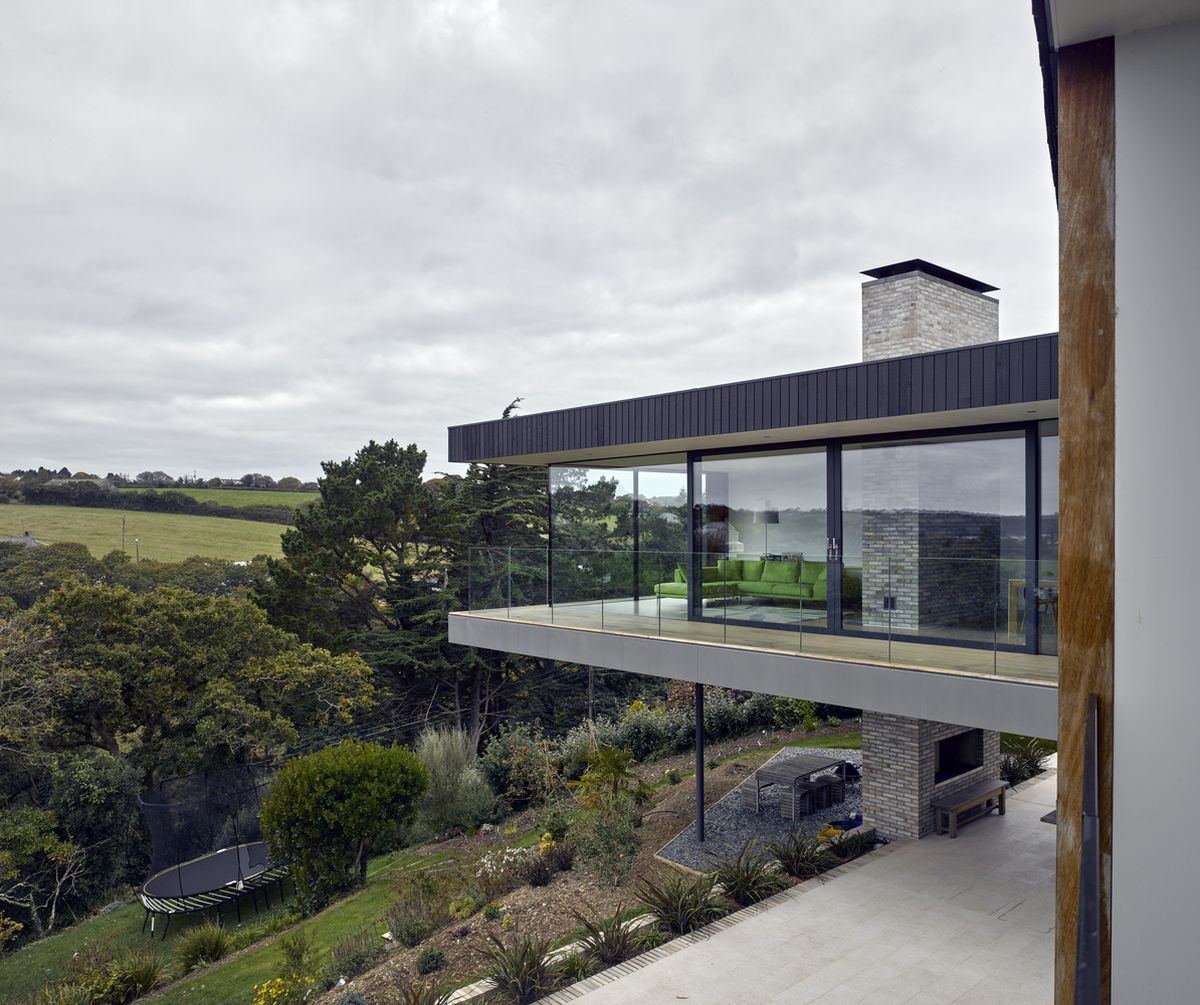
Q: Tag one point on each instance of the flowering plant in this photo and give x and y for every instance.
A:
(283, 991)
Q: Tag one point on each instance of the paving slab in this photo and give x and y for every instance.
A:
(969, 919)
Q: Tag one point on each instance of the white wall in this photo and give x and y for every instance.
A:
(1156, 815)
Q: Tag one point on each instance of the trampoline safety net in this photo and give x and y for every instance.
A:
(204, 830)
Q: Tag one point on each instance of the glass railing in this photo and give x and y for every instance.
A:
(961, 614)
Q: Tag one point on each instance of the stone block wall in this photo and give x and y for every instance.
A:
(899, 755)
(916, 312)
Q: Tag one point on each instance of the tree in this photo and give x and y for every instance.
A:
(289, 484)
(384, 555)
(37, 868)
(180, 682)
(327, 811)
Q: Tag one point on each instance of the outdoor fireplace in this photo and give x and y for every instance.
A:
(958, 754)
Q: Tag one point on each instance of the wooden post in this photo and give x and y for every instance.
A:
(1087, 348)
(699, 762)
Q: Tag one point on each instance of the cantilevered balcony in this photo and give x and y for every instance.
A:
(954, 640)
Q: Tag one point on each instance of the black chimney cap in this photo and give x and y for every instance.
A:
(920, 265)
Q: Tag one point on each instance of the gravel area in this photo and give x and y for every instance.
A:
(731, 821)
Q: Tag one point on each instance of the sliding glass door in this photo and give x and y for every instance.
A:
(761, 531)
(935, 533)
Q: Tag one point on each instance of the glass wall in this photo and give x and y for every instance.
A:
(1047, 595)
(618, 531)
(934, 531)
(761, 535)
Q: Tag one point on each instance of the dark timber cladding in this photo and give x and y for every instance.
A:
(999, 373)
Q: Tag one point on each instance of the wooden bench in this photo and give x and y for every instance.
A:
(983, 794)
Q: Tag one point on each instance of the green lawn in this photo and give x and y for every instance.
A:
(243, 497)
(25, 971)
(166, 537)
(234, 981)
(833, 741)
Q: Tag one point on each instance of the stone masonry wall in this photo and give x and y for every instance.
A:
(890, 540)
(915, 312)
(898, 770)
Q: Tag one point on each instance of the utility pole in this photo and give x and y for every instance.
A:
(137, 546)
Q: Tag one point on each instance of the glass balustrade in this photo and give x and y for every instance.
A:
(983, 616)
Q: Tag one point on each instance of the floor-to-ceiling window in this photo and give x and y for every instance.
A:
(618, 534)
(1047, 591)
(934, 530)
(761, 526)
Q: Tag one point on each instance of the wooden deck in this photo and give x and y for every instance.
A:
(648, 618)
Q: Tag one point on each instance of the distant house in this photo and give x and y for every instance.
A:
(27, 539)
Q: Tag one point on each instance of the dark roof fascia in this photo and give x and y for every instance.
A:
(1048, 58)
(1008, 372)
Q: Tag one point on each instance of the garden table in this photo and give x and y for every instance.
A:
(790, 770)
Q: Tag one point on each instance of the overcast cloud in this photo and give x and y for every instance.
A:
(251, 236)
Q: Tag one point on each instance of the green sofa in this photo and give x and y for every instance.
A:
(787, 580)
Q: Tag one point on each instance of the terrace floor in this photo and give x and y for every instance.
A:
(668, 619)
(931, 921)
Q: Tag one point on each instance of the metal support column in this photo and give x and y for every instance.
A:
(699, 762)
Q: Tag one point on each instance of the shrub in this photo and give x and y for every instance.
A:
(139, 971)
(793, 712)
(299, 954)
(848, 846)
(419, 909)
(429, 960)
(202, 945)
(352, 955)
(458, 797)
(681, 904)
(672, 776)
(608, 843)
(749, 876)
(575, 967)
(499, 871)
(423, 994)
(522, 968)
(407, 930)
(1022, 757)
(573, 749)
(535, 870)
(464, 905)
(352, 997)
(610, 940)
(799, 855)
(519, 765)
(327, 810)
(650, 937)
(645, 732)
(491, 912)
(610, 783)
(64, 994)
(284, 991)
(560, 856)
(556, 819)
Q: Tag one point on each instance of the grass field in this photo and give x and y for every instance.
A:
(25, 971)
(166, 537)
(243, 497)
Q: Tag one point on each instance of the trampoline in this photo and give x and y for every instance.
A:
(206, 843)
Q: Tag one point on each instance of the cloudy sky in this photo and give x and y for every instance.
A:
(251, 236)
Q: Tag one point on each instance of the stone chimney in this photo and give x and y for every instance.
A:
(916, 306)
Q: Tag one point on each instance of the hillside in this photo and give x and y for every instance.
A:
(167, 537)
(241, 497)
